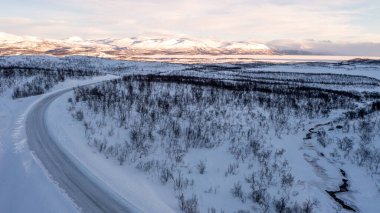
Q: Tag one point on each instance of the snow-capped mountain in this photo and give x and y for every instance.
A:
(126, 48)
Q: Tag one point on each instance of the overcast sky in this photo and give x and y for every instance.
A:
(282, 21)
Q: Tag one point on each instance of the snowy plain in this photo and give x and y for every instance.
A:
(23, 179)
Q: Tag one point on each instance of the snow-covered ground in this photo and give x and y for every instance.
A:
(24, 181)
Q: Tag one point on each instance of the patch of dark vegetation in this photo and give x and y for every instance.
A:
(28, 81)
(239, 72)
(364, 111)
(221, 68)
(362, 61)
(312, 78)
(252, 85)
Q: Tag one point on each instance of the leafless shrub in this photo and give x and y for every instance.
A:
(188, 205)
(237, 191)
(201, 167)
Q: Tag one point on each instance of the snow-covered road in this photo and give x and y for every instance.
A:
(80, 185)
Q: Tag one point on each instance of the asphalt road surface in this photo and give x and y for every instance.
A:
(86, 192)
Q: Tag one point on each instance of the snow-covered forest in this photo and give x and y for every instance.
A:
(221, 135)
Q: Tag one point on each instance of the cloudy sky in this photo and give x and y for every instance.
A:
(285, 23)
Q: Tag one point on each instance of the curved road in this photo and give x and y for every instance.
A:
(83, 190)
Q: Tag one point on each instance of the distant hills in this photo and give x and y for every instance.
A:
(127, 48)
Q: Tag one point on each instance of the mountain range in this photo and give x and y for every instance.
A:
(127, 48)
